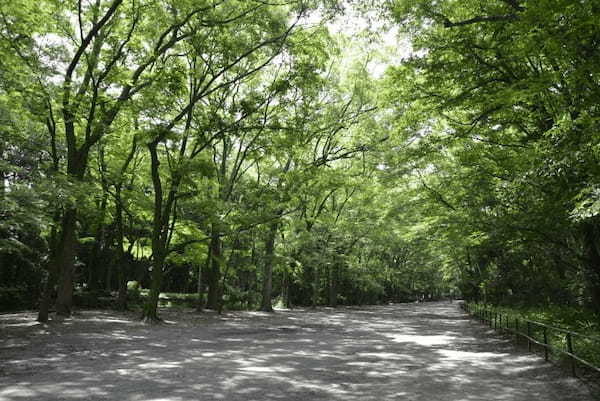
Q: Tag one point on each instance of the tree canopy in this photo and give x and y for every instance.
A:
(253, 153)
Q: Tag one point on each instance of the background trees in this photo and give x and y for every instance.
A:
(507, 87)
(244, 152)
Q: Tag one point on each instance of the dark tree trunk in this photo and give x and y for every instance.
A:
(202, 271)
(214, 273)
(159, 239)
(121, 260)
(66, 260)
(109, 271)
(150, 312)
(333, 282)
(285, 288)
(65, 254)
(267, 284)
(315, 287)
(591, 238)
(46, 298)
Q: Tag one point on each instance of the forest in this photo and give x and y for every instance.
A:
(252, 154)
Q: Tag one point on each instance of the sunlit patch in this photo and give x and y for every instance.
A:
(426, 341)
(267, 369)
(15, 391)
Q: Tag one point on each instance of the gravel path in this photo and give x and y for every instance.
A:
(412, 352)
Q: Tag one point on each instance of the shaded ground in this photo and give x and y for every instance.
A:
(413, 352)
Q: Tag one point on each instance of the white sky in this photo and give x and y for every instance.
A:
(371, 36)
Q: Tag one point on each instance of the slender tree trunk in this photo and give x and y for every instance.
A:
(202, 270)
(99, 246)
(46, 298)
(267, 285)
(109, 271)
(333, 279)
(315, 287)
(121, 260)
(214, 273)
(591, 238)
(285, 288)
(159, 239)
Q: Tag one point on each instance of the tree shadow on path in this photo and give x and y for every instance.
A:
(418, 352)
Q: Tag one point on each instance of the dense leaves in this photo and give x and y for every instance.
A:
(247, 153)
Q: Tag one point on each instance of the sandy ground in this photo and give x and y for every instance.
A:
(412, 352)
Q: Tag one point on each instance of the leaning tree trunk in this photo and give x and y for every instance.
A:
(267, 285)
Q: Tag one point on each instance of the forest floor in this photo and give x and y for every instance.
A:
(412, 352)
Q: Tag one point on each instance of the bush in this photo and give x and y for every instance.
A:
(15, 298)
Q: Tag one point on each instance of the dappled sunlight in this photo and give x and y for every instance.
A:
(421, 340)
(417, 352)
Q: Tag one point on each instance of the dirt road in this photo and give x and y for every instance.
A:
(412, 352)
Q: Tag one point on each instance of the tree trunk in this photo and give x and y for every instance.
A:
(333, 279)
(315, 287)
(267, 284)
(201, 272)
(150, 312)
(591, 237)
(214, 273)
(121, 260)
(66, 259)
(108, 283)
(285, 288)
(46, 298)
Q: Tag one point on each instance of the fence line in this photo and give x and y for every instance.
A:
(495, 319)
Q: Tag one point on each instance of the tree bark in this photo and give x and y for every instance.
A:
(267, 285)
(591, 237)
(214, 272)
(121, 262)
(46, 298)
(66, 259)
(159, 239)
(150, 312)
(333, 279)
(201, 273)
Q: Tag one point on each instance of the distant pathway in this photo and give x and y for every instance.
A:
(411, 352)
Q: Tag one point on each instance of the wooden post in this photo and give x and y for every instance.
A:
(517, 327)
(545, 344)
(500, 323)
(528, 336)
(570, 349)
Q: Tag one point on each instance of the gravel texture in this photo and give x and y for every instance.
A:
(412, 352)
